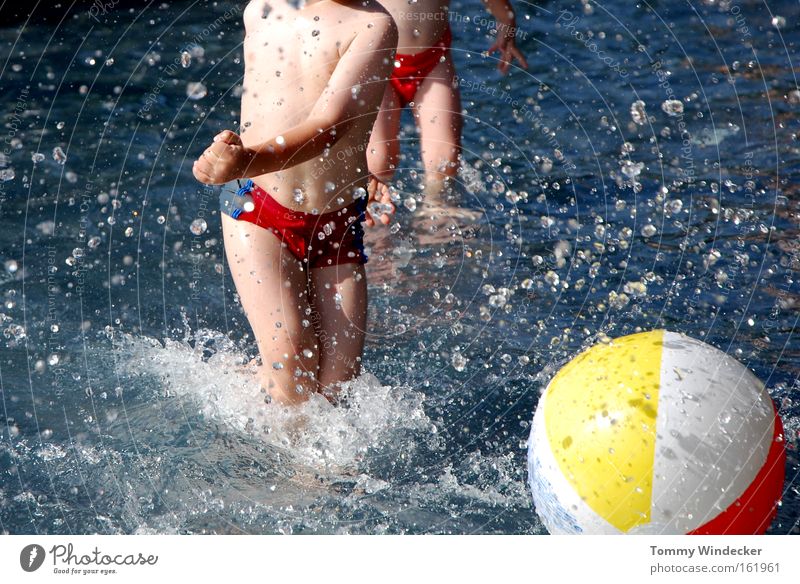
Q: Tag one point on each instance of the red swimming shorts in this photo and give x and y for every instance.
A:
(411, 70)
(329, 239)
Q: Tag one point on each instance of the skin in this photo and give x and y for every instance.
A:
(308, 323)
(437, 104)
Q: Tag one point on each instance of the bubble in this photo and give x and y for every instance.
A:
(377, 209)
(458, 361)
(649, 230)
(15, 332)
(198, 226)
(196, 91)
(552, 278)
(59, 155)
(675, 206)
(632, 169)
(638, 114)
(673, 107)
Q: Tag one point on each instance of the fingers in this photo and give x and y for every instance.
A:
(228, 137)
(372, 187)
(202, 172)
(519, 56)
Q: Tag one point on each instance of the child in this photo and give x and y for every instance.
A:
(313, 84)
(424, 77)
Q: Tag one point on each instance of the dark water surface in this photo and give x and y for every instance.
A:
(121, 408)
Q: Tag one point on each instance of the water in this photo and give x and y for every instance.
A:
(125, 409)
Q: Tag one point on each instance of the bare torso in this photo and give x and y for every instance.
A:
(289, 56)
(420, 24)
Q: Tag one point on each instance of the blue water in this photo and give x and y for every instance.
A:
(122, 411)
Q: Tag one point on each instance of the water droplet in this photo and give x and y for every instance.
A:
(198, 226)
(186, 59)
(649, 230)
(59, 155)
(673, 107)
(638, 114)
(196, 91)
(458, 361)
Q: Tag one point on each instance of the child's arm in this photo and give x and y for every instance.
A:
(503, 13)
(355, 89)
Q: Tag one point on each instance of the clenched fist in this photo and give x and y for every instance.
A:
(226, 159)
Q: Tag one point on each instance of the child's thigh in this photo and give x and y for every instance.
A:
(438, 104)
(339, 299)
(271, 283)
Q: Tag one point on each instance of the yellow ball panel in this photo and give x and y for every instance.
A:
(601, 425)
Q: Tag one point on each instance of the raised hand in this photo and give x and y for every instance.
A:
(226, 159)
(379, 202)
(505, 44)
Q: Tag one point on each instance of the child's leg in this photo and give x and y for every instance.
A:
(383, 152)
(273, 289)
(438, 115)
(339, 299)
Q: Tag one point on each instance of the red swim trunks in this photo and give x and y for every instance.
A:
(411, 70)
(329, 239)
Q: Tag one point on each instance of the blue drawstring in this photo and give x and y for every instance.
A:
(243, 190)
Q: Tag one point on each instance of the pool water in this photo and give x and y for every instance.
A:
(639, 175)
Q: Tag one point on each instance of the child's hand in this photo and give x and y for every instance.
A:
(508, 48)
(379, 202)
(226, 159)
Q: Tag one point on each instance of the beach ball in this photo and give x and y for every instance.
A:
(657, 433)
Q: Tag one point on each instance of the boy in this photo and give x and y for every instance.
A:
(314, 80)
(424, 77)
